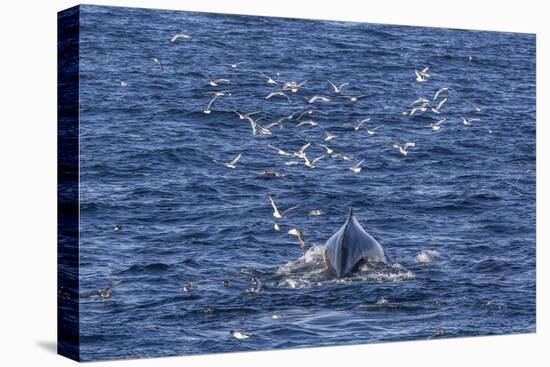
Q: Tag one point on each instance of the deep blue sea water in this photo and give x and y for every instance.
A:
(457, 214)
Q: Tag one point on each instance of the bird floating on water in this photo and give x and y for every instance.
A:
(188, 287)
(221, 93)
(235, 65)
(316, 213)
(117, 228)
(105, 292)
(239, 334)
(354, 98)
(269, 172)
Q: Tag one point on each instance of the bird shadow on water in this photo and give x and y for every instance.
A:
(48, 345)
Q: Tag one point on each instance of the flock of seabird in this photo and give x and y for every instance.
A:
(261, 124)
(303, 118)
(287, 87)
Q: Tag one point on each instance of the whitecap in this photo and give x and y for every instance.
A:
(310, 270)
(426, 256)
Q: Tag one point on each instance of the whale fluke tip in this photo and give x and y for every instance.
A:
(350, 211)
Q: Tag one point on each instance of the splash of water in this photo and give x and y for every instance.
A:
(310, 270)
(426, 256)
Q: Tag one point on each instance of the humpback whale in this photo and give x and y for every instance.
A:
(350, 245)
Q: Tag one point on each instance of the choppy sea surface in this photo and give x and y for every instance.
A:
(457, 214)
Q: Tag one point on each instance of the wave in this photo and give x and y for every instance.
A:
(384, 304)
(147, 268)
(493, 265)
(310, 270)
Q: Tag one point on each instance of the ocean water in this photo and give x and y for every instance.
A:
(456, 215)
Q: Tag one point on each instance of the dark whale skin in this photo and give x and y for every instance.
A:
(349, 246)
